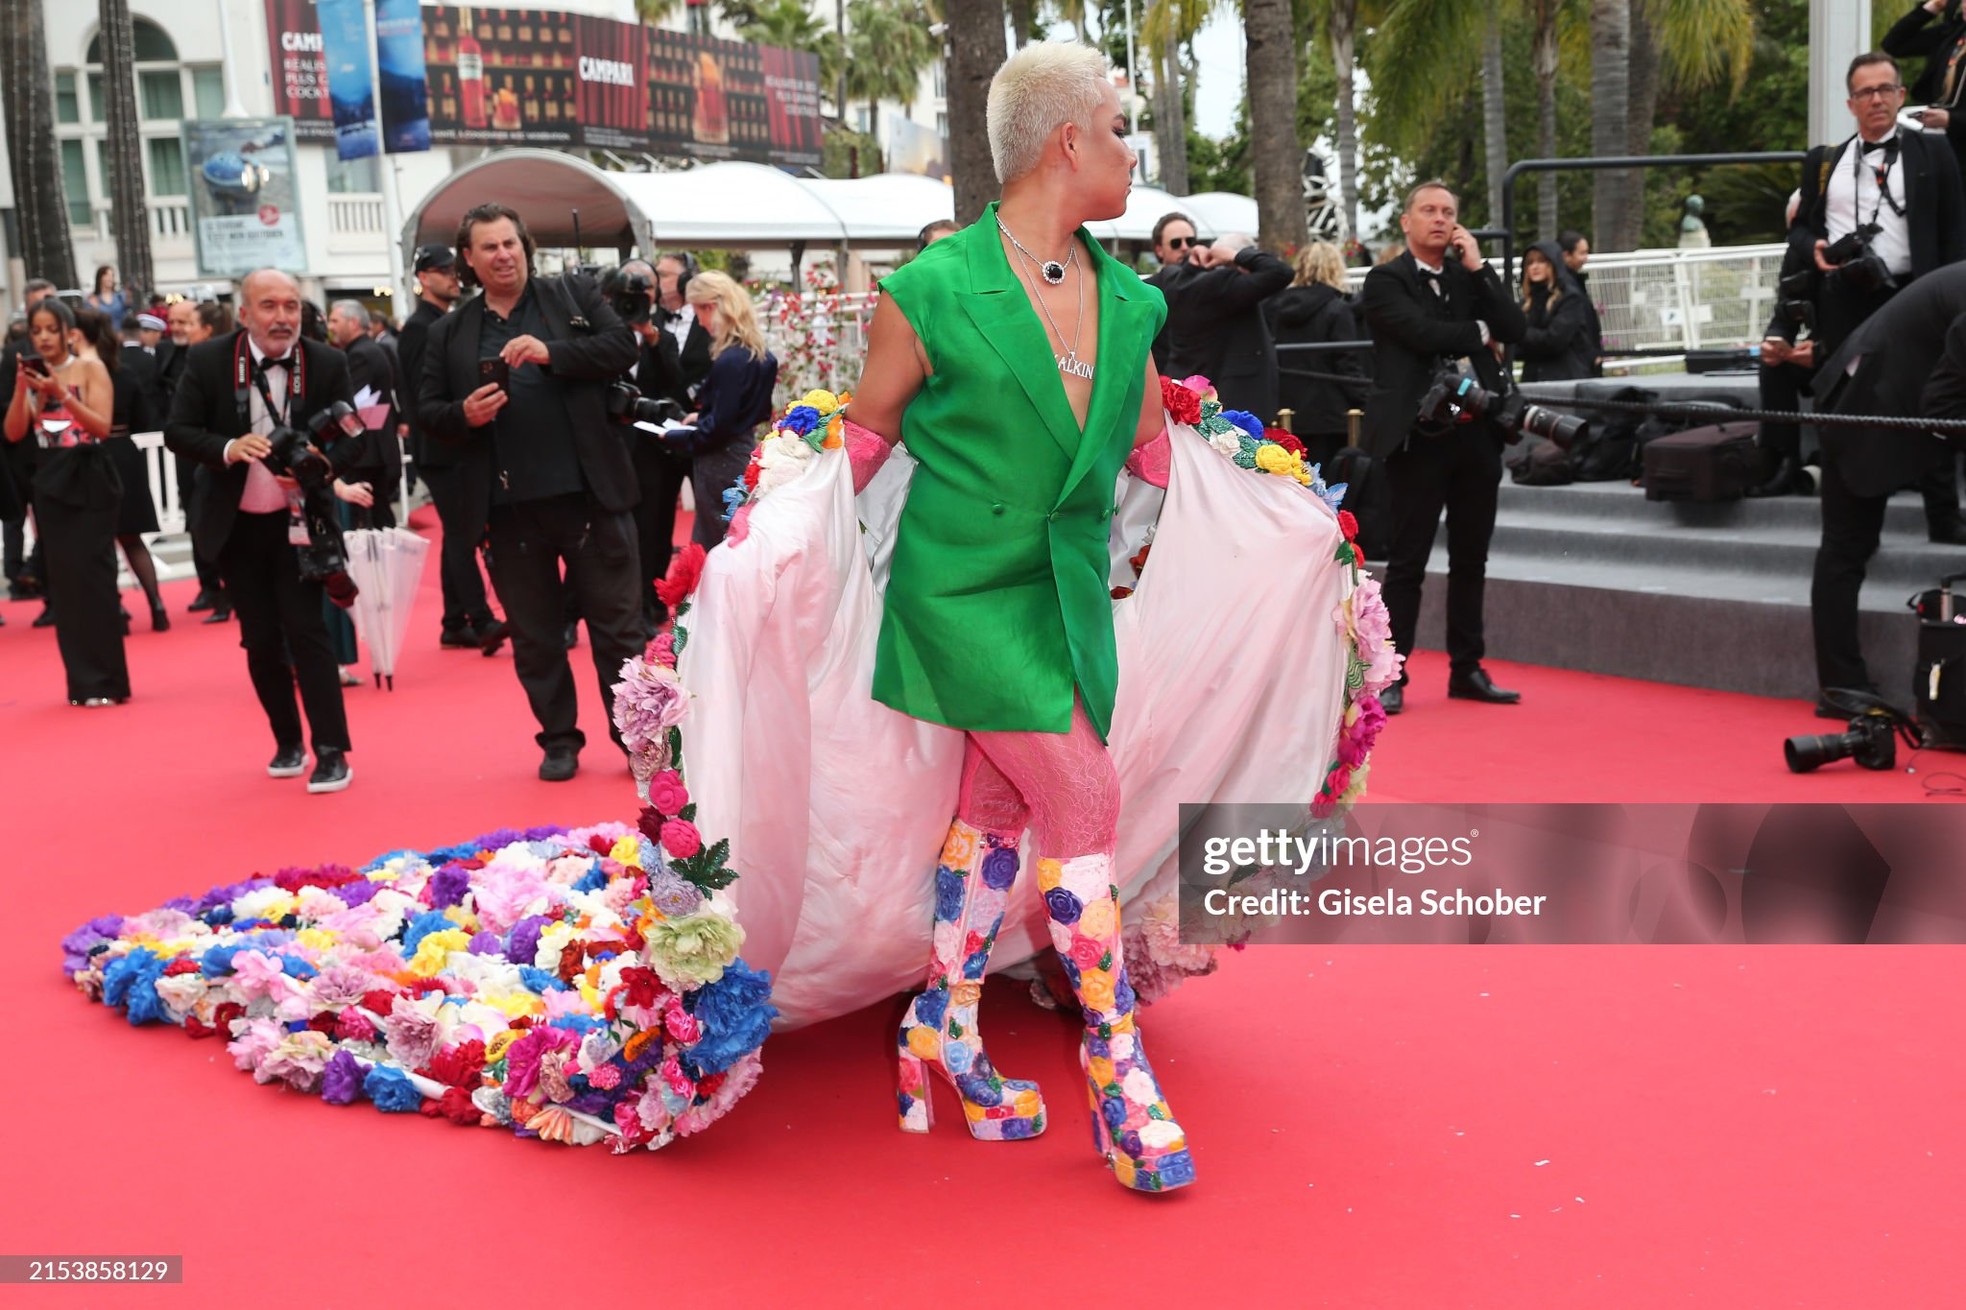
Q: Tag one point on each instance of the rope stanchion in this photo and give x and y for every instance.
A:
(1893, 422)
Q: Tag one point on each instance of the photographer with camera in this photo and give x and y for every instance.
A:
(517, 379)
(657, 384)
(1439, 304)
(266, 415)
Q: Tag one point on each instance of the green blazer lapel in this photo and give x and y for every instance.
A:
(1126, 323)
(1003, 315)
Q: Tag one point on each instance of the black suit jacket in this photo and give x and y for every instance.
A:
(659, 369)
(692, 359)
(1935, 206)
(1216, 328)
(409, 354)
(1898, 350)
(590, 347)
(205, 416)
(152, 403)
(1412, 329)
(378, 457)
(1923, 34)
(1161, 277)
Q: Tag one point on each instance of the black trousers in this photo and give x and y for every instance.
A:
(76, 523)
(661, 474)
(464, 586)
(1458, 473)
(530, 541)
(1852, 527)
(191, 495)
(1782, 386)
(285, 634)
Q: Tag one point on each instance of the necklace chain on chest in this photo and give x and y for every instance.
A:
(1069, 362)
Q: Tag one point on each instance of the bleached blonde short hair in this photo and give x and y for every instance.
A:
(1038, 89)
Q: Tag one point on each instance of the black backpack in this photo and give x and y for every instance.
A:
(1544, 464)
(1610, 451)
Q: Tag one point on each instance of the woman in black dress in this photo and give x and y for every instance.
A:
(66, 404)
(1316, 309)
(1557, 347)
(96, 339)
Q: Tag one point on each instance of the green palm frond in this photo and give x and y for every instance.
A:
(1421, 60)
(1700, 41)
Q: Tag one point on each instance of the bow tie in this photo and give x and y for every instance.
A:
(284, 361)
(1884, 145)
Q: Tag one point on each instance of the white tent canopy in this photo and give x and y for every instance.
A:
(741, 205)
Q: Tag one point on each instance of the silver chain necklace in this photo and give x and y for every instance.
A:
(1069, 362)
(1053, 271)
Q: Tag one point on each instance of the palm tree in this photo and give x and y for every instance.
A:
(1165, 27)
(1276, 156)
(39, 200)
(1615, 215)
(1341, 20)
(976, 48)
(129, 217)
(1494, 112)
(791, 25)
(888, 47)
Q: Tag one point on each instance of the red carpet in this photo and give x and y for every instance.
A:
(1420, 1127)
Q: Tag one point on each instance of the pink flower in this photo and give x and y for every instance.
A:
(1370, 621)
(667, 793)
(681, 839)
(411, 1034)
(663, 649)
(648, 701)
(681, 1024)
(676, 1080)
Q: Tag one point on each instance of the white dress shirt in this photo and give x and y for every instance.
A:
(263, 493)
(1853, 196)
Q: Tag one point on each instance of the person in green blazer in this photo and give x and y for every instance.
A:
(1013, 359)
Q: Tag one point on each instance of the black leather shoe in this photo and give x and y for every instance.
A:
(465, 638)
(288, 762)
(46, 618)
(204, 600)
(492, 635)
(160, 619)
(560, 764)
(331, 772)
(1393, 699)
(1782, 482)
(1477, 685)
(221, 613)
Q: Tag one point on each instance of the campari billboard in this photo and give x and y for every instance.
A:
(540, 77)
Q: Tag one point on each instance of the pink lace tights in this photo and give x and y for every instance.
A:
(1062, 784)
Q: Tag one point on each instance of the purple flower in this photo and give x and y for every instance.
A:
(525, 939)
(353, 894)
(76, 946)
(449, 886)
(484, 943)
(1000, 868)
(341, 1079)
(1062, 906)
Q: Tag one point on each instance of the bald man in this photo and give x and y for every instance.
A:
(236, 390)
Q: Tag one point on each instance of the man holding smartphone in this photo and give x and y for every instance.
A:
(517, 380)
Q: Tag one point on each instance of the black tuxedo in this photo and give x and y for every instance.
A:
(532, 534)
(1906, 366)
(692, 358)
(1160, 279)
(281, 620)
(377, 457)
(465, 605)
(1413, 327)
(1216, 327)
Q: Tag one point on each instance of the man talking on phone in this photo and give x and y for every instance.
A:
(517, 380)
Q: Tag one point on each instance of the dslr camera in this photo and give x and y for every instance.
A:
(626, 404)
(1856, 263)
(630, 295)
(298, 454)
(1870, 739)
(1455, 397)
(1795, 300)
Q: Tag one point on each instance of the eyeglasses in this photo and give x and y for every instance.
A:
(1176, 243)
(1877, 92)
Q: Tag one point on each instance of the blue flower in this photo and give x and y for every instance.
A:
(297, 968)
(422, 926)
(217, 961)
(131, 982)
(1245, 420)
(1000, 868)
(931, 1006)
(540, 981)
(1176, 1169)
(1015, 1130)
(736, 1015)
(1062, 906)
(800, 419)
(391, 1091)
(734, 497)
(593, 880)
(1123, 998)
(948, 894)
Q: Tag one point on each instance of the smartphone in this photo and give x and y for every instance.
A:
(495, 371)
(34, 364)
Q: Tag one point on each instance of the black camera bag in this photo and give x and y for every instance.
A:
(1702, 464)
(1939, 675)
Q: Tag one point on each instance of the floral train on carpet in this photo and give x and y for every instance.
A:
(574, 985)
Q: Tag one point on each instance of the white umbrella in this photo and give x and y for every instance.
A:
(387, 565)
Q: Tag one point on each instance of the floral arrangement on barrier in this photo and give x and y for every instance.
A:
(814, 422)
(817, 331)
(573, 985)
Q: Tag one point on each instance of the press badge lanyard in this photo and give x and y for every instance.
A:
(245, 379)
(1883, 176)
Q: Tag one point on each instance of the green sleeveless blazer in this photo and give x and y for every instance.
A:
(998, 602)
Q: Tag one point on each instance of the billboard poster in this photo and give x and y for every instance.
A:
(613, 84)
(912, 148)
(715, 99)
(244, 211)
(351, 76)
(405, 93)
(500, 76)
(299, 68)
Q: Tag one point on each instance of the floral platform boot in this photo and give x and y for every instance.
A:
(939, 1031)
(1131, 1124)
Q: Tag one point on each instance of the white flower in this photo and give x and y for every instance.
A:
(1139, 1087)
(1160, 1133)
(1228, 443)
(552, 941)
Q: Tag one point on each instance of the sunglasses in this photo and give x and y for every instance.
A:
(1176, 243)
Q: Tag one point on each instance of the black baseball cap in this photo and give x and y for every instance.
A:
(435, 256)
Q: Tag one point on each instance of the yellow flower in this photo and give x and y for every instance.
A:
(924, 1041)
(515, 1004)
(1096, 989)
(1028, 1103)
(495, 1048)
(627, 850)
(434, 951)
(971, 1110)
(1050, 874)
(1101, 1070)
(1272, 458)
(959, 849)
(315, 939)
(1099, 920)
(1123, 1169)
(823, 401)
(463, 918)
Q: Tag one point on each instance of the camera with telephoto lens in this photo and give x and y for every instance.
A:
(630, 295)
(1856, 263)
(299, 455)
(1870, 739)
(1795, 300)
(1455, 396)
(626, 404)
